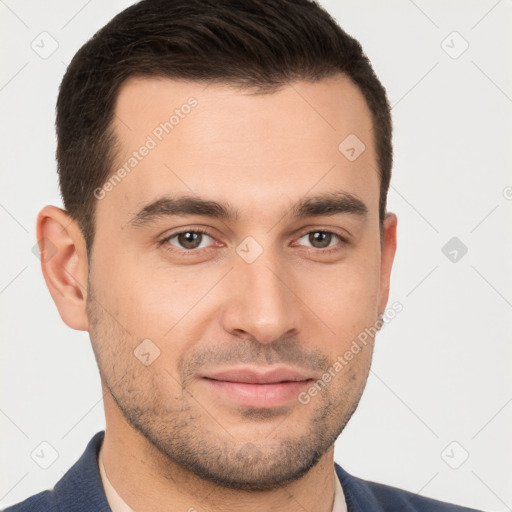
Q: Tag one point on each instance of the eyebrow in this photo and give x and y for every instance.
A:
(326, 204)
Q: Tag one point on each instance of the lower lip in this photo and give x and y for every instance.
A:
(259, 395)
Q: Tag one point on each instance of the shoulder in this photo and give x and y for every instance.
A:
(41, 502)
(365, 495)
(79, 490)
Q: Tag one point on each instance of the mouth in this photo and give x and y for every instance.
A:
(258, 389)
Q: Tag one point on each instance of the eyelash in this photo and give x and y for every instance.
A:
(192, 252)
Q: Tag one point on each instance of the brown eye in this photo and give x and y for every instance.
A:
(188, 239)
(320, 239)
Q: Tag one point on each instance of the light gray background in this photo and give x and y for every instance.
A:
(441, 370)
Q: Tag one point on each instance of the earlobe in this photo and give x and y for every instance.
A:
(387, 257)
(64, 264)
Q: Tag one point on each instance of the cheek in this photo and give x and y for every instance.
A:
(344, 296)
(172, 309)
(349, 385)
(137, 295)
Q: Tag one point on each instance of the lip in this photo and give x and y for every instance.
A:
(253, 376)
(259, 389)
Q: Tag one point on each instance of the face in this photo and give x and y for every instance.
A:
(212, 317)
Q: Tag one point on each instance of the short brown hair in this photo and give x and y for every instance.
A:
(257, 44)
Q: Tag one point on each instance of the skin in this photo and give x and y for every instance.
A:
(171, 442)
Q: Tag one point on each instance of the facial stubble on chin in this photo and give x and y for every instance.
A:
(191, 436)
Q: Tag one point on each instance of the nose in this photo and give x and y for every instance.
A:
(261, 303)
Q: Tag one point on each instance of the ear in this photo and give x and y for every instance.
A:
(64, 264)
(387, 256)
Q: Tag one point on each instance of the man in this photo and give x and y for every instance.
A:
(224, 166)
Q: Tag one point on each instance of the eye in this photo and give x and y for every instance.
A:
(192, 240)
(188, 240)
(322, 239)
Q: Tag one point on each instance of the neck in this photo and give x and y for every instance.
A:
(149, 482)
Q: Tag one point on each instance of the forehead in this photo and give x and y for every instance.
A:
(250, 149)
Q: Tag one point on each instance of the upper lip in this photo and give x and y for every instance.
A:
(253, 376)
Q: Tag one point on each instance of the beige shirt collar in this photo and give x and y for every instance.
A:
(117, 504)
